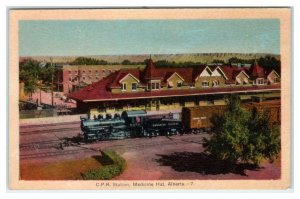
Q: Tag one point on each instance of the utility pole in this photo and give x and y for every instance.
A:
(52, 82)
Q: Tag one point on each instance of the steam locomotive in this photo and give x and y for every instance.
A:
(128, 125)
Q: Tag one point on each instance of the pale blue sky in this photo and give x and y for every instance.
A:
(74, 37)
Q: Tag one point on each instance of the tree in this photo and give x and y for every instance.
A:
(270, 63)
(126, 62)
(239, 135)
(264, 139)
(89, 61)
(29, 72)
(230, 133)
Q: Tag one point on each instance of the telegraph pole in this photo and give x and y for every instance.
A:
(52, 82)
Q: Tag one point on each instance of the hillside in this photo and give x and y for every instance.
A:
(196, 57)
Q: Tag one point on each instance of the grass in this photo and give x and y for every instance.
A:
(113, 165)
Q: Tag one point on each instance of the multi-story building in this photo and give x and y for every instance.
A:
(76, 77)
(171, 88)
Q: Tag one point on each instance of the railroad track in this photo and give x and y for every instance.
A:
(40, 145)
(164, 143)
(42, 131)
(49, 154)
(48, 125)
(56, 144)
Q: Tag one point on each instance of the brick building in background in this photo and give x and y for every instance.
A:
(75, 77)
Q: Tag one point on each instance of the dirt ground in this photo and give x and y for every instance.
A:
(159, 158)
(65, 170)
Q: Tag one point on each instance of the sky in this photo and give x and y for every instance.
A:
(120, 37)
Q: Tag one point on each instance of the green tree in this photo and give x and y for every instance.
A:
(89, 61)
(239, 135)
(270, 63)
(230, 133)
(126, 62)
(29, 72)
(264, 139)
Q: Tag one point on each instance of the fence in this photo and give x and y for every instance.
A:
(37, 113)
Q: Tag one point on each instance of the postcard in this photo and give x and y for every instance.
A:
(150, 99)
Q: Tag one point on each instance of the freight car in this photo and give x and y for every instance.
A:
(129, 124)
(198, 119)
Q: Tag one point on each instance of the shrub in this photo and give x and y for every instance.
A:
(109, 171)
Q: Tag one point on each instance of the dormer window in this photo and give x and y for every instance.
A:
(276, 80)
(134, 86)
(170, 84)
(205, 84)
(155, 85)
(123, 86)
(179, 84)
(260, 81)
(216, 83)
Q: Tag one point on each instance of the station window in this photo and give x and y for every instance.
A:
(155, 85)
(134, 86)
(260, 81)
(70, 72)
(149, 86)
(83, 78)
(123, 86)
(205, 84)
(276, 80)
(179, 84)
(83, 71)
(216, 83)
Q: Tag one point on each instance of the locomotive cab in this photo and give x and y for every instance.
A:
(134, 121)
(134, 118)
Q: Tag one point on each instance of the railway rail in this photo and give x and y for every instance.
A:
(92, 147)
(49, 154)
(40, 145)
(47, 125)
(43, 131)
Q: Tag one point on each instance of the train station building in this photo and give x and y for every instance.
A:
(171, 88)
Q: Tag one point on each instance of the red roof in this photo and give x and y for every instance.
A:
(101, 90)
(231, 72)
(98, 92)
(151, 71)
(119, 75)
(256, 71)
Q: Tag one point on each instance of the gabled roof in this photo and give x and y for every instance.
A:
(199, 70)
(238, 72)
(213, 68)
(129, 74)
(232, 72)
(121, 74)
(172, 74)
(272, 71)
